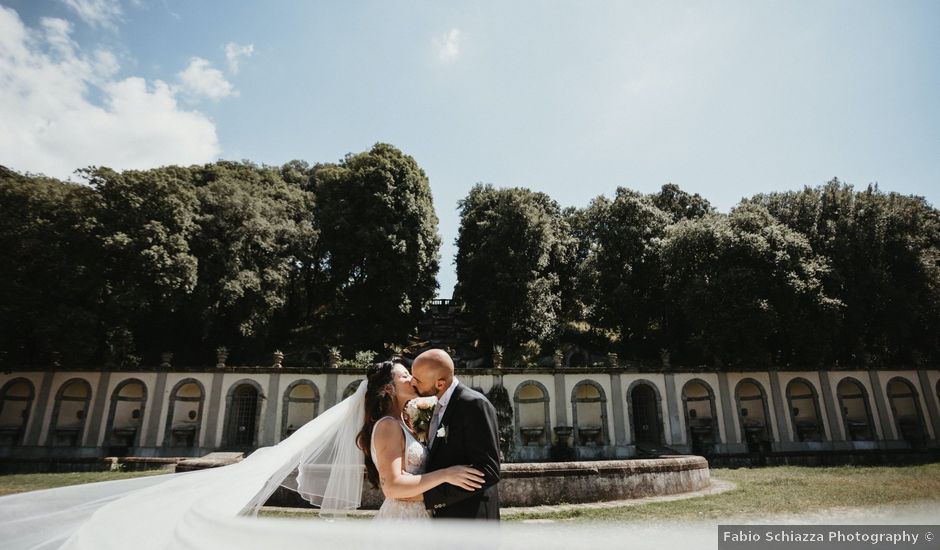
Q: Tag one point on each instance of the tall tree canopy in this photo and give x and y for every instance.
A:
(745, 289)
(50, 282)
(186, 259)
(379, 245)
(512, 245)
(884, 250)
(303, 258)
(620, 270)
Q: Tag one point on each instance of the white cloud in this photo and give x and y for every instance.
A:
(235, 51)
(200, 79)
(104, 13)
(49, 124)
(448, 46)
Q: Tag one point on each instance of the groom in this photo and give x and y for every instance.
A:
(463, 432)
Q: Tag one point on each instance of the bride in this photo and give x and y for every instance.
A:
(395, 459)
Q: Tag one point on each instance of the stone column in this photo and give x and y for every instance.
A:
(561, 400)
(331, 398)
(156, 410)
(673, 409)
(271, 435)
(727, 406)
(616, 396)
(836, 431)
(780, 410)
(212, 421)
(928, 392)
(94, 423)
(37, 418)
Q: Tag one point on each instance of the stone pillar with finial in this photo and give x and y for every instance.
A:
(278, 356)
(612, 359)
(166, 360)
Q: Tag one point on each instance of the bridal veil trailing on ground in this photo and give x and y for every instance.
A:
(202, 509)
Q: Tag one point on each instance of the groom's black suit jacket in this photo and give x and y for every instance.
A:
(472, 440)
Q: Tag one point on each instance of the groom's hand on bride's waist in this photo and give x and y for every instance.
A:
(416, 498)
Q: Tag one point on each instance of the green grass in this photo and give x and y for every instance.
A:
(759, 492)
(781, 490)
(19, 483)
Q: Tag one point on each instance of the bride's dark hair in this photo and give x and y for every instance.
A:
(380, 397)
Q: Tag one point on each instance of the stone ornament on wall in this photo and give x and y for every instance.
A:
(221, 354)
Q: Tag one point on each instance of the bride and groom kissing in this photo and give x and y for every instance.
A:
(455, 474)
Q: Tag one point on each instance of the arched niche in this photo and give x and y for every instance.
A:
(184, 414)
(753, 415)
(126, 414)
(532, 414)
(856, 410)
(16, 401)
(644, 405)
(70, 413)
(242, 415)
(589, 414)
(301, 404)
(804, 410)
(905, 408)
(701, 418)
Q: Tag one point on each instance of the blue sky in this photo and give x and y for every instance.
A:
(725, 99)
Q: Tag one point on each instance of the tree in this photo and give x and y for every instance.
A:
(379, 246)
(512, 244)
(679, 204)
(255, 234)
(144, 222)
(621, 276)
(883, 250)
(747, 289)
(50, 279)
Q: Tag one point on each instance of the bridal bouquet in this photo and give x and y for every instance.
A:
(418, 413)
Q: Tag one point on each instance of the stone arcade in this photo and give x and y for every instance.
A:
(601, 412)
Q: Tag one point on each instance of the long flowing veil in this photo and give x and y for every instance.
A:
(320, 461)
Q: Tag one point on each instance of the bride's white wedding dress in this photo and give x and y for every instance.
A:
(416, 460)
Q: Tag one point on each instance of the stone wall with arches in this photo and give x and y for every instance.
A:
(589, 413)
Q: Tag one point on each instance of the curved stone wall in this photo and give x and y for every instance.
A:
(534, 484)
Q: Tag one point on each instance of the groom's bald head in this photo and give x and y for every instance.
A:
(433, 372)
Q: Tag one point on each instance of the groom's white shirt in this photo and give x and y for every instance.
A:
(439, 411)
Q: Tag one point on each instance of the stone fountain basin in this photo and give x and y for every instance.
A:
(547, 483)
(542, 483)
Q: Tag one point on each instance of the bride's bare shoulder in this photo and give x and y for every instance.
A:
(387, 432)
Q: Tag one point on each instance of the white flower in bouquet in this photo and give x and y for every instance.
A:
(418, 413)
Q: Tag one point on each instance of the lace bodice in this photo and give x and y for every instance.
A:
(416, 461)
(416, 454)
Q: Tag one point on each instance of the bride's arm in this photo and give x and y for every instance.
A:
(399, 484)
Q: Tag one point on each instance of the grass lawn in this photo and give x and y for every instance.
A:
(782, 490)
(760, 492)
(19, 483)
